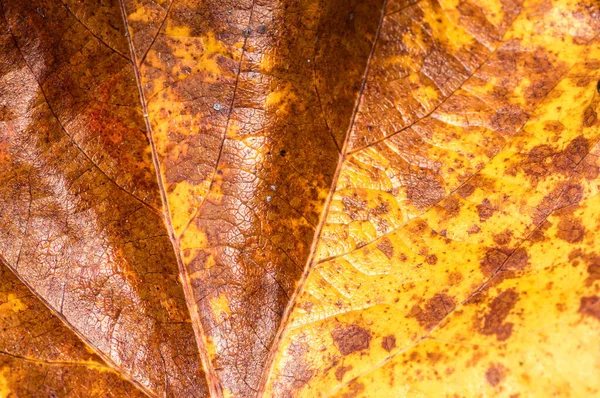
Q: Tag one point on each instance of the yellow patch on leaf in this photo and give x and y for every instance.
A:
(444, 242)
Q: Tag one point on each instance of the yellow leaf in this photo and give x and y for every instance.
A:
(458, 256)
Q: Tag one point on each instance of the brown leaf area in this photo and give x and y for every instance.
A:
(80, 209)
(299, 198)
(40, 356)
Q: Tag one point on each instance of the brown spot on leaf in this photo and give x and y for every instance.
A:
(503, 238)
(354, 388)
(341, 371)
(414, 356)
(577, 149)
(454, 278)
(307, 306)
(386, 247)
(553, 126)
(590, 306)
(473, 15)
(593, 270)
(466, 190)
(352, 338)
(589, 170)
(538, 160)
(295, 365)
(474, 360)
(543, 160)
(570, 228)
(518, 260)
(492, 261)
(590, 117)
(571, 195)
(485, 210)
(495, 374)
(436, 309)
(451, 206)
(434, 357)
(563, 195)
(593, 264)
(539, 234)
(389, 343)
(474, 229)
(507, 119)
(354, 206)
(546, 206)
(431, 259)
(493, 322)
(383, 208)
(425, 189)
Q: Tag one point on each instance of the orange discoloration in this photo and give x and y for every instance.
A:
(341, 371)
(590, 306)
(500, 307)
(299, 198)
(495, 374)
(352, 338)
(435, 309)
(389, 343)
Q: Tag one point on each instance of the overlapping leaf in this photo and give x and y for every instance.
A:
(458, 251)
(40, 356)
(80, 220)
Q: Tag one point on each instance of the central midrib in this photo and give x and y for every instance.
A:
(214, 386)
(313, 249)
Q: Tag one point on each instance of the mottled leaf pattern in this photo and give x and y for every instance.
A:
(299, 198)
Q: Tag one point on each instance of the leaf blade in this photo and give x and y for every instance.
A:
(247, 120)
(80, 221)
(378, 290)
(40, 355)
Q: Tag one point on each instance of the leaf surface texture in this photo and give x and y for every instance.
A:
(299, 198)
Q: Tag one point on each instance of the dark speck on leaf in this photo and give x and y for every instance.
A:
(282, 152)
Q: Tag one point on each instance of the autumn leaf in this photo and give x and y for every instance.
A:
(40, 356)
(290, 198)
